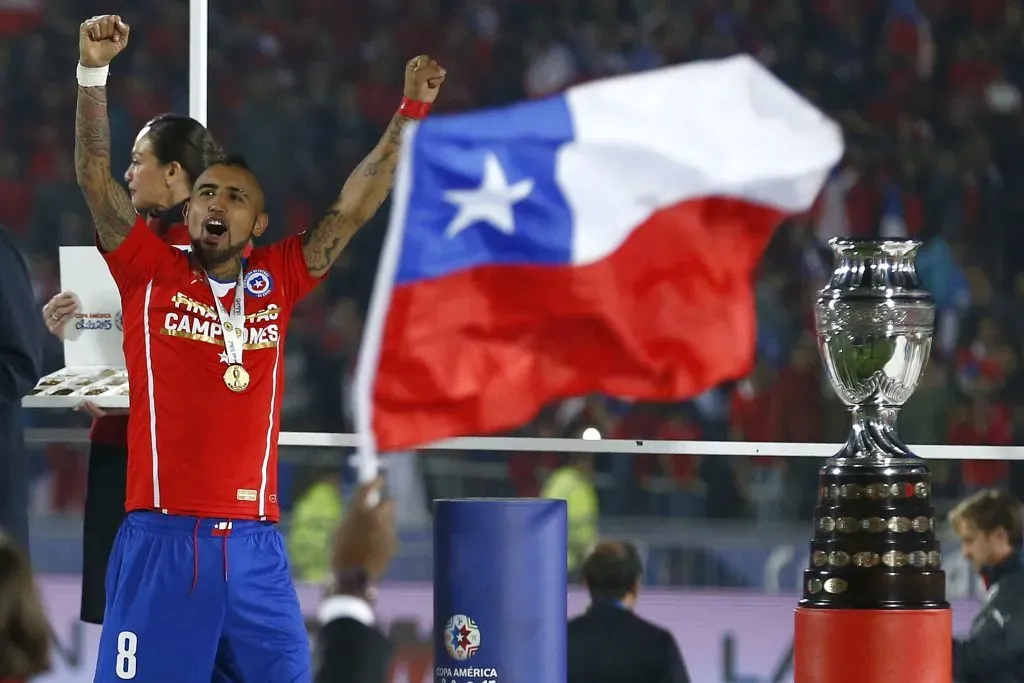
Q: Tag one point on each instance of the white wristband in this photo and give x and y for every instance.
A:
(92, 77)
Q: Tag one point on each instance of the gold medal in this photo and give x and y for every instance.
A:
(236, 378)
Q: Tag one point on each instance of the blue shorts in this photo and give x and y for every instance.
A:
(188, 602)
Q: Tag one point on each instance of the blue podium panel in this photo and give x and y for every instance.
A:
(500, 591)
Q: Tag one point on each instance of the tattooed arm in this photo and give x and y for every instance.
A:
(363, 193)
(100, 39)
(109, 203)
(367, 188)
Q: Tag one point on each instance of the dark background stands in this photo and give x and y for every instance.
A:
(928, 93)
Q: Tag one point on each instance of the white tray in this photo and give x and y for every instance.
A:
(70, 387)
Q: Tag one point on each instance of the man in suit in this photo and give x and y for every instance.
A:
(349, 648)
(991, 533)
(21, 365)
(609, 642)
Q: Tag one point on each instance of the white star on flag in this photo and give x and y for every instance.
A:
(490, 203)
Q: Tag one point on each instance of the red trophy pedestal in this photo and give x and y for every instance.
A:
(873, 646)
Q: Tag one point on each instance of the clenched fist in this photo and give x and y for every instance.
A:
(100, 39)
(423, 79)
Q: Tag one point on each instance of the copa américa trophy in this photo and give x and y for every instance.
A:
(874, 594)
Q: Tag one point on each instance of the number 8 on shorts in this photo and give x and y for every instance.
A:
(127, 645)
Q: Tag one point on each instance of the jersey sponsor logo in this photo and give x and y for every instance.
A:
(195, 320)
(258, 283)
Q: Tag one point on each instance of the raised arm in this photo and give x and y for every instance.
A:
(369, 184)
(100, 39)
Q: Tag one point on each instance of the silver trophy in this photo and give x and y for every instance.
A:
(874, 545)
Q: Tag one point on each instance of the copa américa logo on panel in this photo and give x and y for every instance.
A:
(104, 322)
(462, 639)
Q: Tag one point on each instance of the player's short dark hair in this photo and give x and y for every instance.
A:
(990, 510)
(612, 570)
(24, 631)
(183, 139)
(236, 161)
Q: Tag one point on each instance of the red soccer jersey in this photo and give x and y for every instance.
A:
(194, 446)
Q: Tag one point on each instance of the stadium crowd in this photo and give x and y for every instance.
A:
(929, 95)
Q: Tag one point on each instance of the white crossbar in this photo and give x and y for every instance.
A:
(509, 443)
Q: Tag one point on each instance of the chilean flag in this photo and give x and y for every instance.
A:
(603, 240)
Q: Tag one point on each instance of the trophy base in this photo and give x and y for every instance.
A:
(880, 646)
(874, 545)
(868, 589)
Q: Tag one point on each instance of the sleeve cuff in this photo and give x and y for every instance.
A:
(345, 606)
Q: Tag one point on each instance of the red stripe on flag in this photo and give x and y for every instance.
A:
(667, 316)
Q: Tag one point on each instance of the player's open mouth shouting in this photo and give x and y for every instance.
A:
(215, 230)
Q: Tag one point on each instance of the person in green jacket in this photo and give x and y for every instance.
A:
(316, 517)
(574, 484)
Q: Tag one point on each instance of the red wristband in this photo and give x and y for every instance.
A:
(413, 109)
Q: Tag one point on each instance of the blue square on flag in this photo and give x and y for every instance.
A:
(472, 204)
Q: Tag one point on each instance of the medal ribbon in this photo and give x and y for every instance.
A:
(232, 324)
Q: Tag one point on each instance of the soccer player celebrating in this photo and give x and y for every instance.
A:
(198, 582)
(169, 153)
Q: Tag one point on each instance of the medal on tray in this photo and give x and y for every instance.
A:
(232, 325)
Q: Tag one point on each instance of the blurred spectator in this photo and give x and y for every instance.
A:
(527, 470)
(752, 420)
(574, 484)
(980, 421)
(315, 517)
(349, 648)
(673, 481)
(24, 633)
(608, 642)
(989, 526)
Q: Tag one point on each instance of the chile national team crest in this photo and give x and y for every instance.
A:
(461, 637)
(258, 283)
